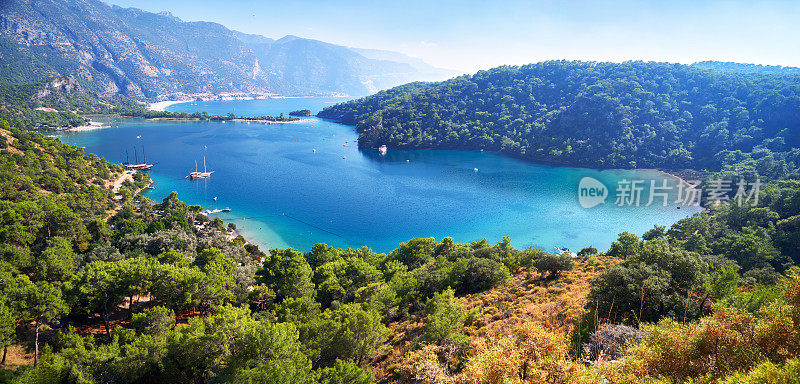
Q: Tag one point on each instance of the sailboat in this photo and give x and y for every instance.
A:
(196, 175)
(137, 166)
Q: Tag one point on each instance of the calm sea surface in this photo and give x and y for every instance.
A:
(298, 184)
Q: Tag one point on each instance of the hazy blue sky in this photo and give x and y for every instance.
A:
(469, 35)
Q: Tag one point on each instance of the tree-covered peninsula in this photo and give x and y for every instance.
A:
(594, 114)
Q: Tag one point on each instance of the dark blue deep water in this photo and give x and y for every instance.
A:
(282, 193)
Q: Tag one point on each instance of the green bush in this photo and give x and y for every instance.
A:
(154, 321)
(345, 372)
(587, 251)
(445, 315)
(553, 264)
(477, 274)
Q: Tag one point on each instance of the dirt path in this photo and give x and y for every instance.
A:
(115, 187)
(117, 184)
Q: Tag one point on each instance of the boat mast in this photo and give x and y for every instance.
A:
(195, 166)
(204, 164)
(135, 155)
(127, 161)
(143, 155)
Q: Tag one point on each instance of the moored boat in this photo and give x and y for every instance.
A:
(196, 175)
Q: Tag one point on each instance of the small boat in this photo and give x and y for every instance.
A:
(213, 211)
(475, 169)
(214, 198)
(314, 150)
(562, 251)
(344, 157)
(382, 149)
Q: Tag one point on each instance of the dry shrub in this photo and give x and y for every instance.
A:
(608, 343)
(768, 373)
(432, 364)
(729, 341)
(710, 347)
(422, 366)
(531, 354)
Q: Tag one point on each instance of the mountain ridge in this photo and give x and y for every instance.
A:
(144, 55)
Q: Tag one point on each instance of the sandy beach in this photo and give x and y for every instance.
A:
(683, 176)
(92, 125)
(162, 105)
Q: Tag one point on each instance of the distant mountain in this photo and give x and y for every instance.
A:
(426, 71)
(722, 66)
(114, 50)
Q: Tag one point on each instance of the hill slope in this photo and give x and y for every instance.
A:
(605, 115)
(141, 54)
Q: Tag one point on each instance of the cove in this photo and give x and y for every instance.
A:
(298, 184)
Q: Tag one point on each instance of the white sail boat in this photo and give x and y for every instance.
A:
(200, 175)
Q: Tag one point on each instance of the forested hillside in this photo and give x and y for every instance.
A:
(603, 115)
(746, 68)
(97, 288)
(56, 103)
(59, 103)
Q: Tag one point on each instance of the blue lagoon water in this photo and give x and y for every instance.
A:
(298, 184)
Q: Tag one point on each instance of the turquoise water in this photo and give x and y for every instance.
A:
(283, 193)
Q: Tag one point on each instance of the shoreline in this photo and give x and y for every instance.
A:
(238, 120)
(162, 105)
(270, 121)
(682, 176)
(90, 126)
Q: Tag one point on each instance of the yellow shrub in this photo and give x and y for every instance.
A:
(422, 366)
(768, 373)
(531, 354)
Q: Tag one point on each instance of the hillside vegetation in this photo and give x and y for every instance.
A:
(61, 102)
(98, 289)
(601, 115)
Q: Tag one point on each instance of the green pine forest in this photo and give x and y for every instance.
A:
(97, 287)
(597, 115)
